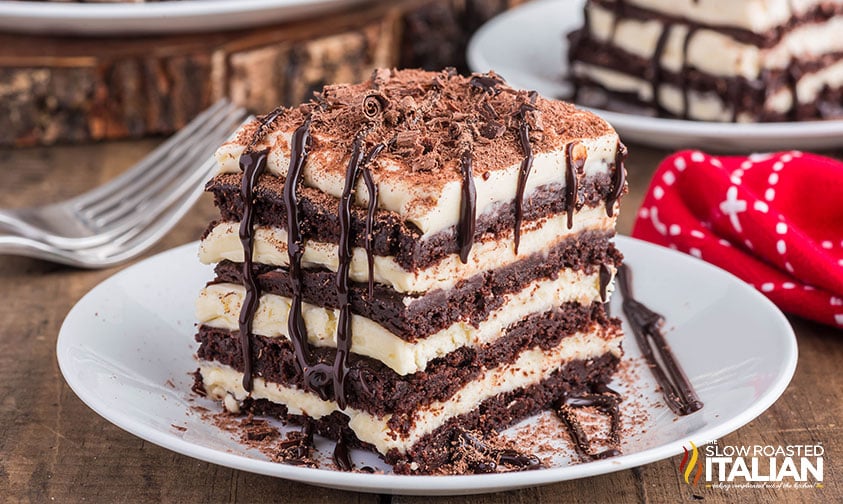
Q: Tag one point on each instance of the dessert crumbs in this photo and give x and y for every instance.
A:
(544, 439)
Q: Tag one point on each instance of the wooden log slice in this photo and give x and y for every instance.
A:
(72, 89)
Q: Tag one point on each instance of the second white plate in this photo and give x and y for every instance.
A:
(184, 16)
(527, 46)
(127, 347)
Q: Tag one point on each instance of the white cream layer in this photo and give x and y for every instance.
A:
(223, 242)
(757, 16)
(713, 52)
(709, 106)
(531, 367)
(430, 207)
(219, 306)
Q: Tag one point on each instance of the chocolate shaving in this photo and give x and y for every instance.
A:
(488, 83)
(492, 130)
(297, 448)
(480, 455)
(406, 139)
(373, 105)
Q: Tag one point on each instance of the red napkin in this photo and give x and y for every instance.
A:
(774, 220)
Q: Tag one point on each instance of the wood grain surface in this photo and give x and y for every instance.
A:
(54, 449)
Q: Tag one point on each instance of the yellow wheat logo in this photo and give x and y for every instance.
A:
(691, 462)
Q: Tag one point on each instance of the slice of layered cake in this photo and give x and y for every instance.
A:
(712, 60)
(405, 260)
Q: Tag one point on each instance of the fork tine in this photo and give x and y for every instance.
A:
(153, 158)
(150, 168)
(136, 240)
(149, 198)
(129, 244)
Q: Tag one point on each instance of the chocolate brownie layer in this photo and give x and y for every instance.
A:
(391, 236)
(413, 317)
(497, 413)
(379, 390)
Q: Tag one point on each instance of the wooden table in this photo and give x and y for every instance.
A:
(52, 447)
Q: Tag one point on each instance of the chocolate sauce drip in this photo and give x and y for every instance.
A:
(605, 278)
(604, 400)
(328, 380)
(734, 90)
(526, 164)
(357, 163)
(618, 179)
(574, 166)
(465, 439)
(692, 29)
(340, 368)
(341, 456)
(468, 208)
(646, 325)
(370, 214)
(252, 164)
(316, 376)
(655, 69)
(793, 73)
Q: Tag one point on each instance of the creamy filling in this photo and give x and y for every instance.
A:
(532, 367)
(219, 306)
(710, 106)
(270, 247)
(758, 16)
(431, 207)
(713, 52)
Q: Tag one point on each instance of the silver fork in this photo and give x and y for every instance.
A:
(123, 246)
(130, 201)
(135, 198)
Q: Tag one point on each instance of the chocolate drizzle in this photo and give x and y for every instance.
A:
(493, 457)
(606, 401)
(356, 164)
(468, 208)
(605, 278)
(573, 166)
(316, 376)
(341, 456)
(526, 163)
(618, 179)
(646, 325)
(370, 213)
(655, 69)
(253, 164)
(692, 29)
(793, 74)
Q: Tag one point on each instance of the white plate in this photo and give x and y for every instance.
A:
(184, 16)
(126, 338)
(527, 46)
